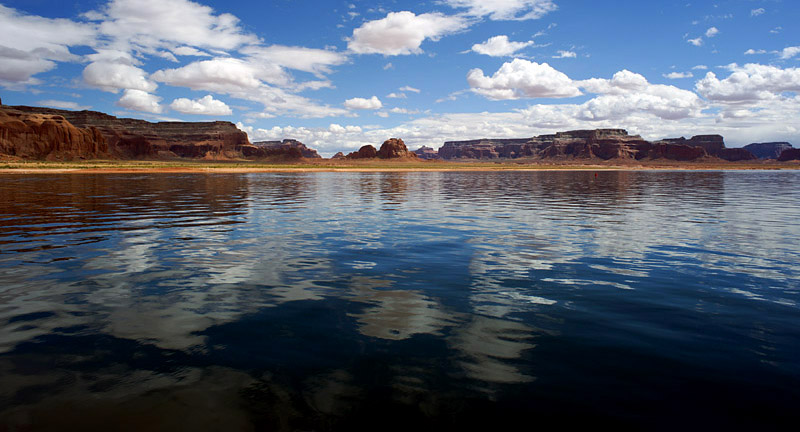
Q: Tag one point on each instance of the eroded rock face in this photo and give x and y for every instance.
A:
(604, 144)
(338, 155)
(288, 147)
(365, 152)
(394, 148)
(768, 150)
(426, 153)
(131, 138)
(789, 155)
(47, 136)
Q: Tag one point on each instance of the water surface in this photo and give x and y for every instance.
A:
(346, 301)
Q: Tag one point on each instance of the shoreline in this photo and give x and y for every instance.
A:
(230, 167)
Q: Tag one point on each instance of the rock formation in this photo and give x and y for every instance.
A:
(48, 136)
(768, 150)
(365, 152)
(426, 153)
(394, 148)
(131, 138)
(789, 155)
(288, 147)
(602, 144)
(338, 155)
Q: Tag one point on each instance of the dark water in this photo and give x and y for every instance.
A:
(396, 301)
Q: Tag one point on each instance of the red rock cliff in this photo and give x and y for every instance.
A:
(48, 136)
(131, 138)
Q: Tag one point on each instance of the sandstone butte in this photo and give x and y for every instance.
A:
(53, 134)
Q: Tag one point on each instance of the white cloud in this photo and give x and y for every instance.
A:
(749, 83)
(388, 66)
(409, 89)
(565, 54)
(204, 106)
(140, 101)
(523, 79)
(499, 46)
(190, 52)
(700, 67)
(501, 10)
(30, 45)
(372, 103)
(311, 60)
(221, 75)
(678, 75)
(402, 33)
(754, 52)
(150, 25)
(113, 77)
(789, 52)
(711, 32)
(399, 110)
(63, 105)
(757, 12)
(397, 96)
(696, 42)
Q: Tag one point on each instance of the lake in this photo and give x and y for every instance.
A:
(394, 301)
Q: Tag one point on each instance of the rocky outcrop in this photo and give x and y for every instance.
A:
(131, 138)
(426, 153)
(768, 150)
(394, 148)
(789, 155)
(338, 155)
(365, 152)
(288, 147)
(48, 136)
(604, 144)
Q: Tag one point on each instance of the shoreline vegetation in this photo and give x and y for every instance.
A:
(328, 165)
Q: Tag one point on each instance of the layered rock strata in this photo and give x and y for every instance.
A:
(48, 136)
(131, 138)
(288, 147)
(599, 143)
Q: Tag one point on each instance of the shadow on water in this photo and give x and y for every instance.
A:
(342, 301)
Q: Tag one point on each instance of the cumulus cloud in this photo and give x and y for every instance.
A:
(189, 51)
(523, 79)
(151, 25)
(372, 103)
(519, 10)
(754, 52)
(221, 75)
(711, 32)
(402, 33)
(139, 100)
(789, 52)
(30, 45)
(499, 46)
(204, 106)
(696, 41)
(113, 77)
(678, 75)
(397, 96)
(749, 83)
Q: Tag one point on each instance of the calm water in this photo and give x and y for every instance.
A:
(392, 301)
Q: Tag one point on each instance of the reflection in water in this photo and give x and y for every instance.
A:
(341, 301)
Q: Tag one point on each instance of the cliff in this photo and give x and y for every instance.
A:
(768, 150)
(47, 136)
(789, 155)
(602, 144)
(288, 147)
(131, 138)
(426, 153)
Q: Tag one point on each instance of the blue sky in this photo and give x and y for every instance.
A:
(338, 75)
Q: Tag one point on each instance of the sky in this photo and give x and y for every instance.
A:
(337, 75)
